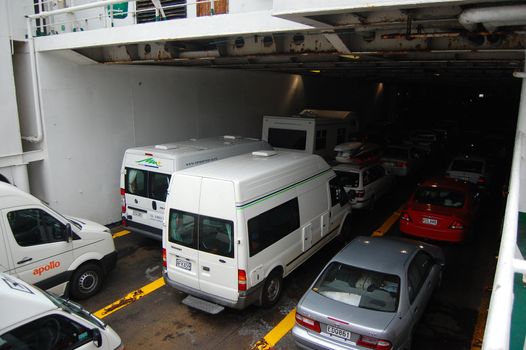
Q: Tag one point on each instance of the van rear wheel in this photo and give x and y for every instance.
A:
(86, 281)
(272, 289)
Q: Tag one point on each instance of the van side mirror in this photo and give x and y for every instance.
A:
(69, 234)
(97, 337)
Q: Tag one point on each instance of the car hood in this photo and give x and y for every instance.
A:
(360, 320)
(88, 225)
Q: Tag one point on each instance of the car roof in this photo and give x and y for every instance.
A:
(446, 182)
(19, 301)
(11, 196)
(380, 254)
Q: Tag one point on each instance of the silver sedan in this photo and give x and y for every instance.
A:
(369, 296)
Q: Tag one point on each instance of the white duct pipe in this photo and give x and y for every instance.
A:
(34, 83)
(493, 17)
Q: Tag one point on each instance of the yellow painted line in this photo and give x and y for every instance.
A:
(382, 230)
(286, 324)
(120, 233)
(130, 298)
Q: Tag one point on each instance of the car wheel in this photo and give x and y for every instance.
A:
(272, 289)
(86, 281)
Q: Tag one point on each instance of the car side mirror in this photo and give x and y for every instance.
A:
(69, 234)
(97, 337)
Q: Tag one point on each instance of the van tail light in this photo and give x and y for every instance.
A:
(457, 225)
(308, 323)
(405, 216)
(373, 343)
(481, 181)
(241, 280)
(359, 193)
(401, 164)
(123, 200)
(164, 257)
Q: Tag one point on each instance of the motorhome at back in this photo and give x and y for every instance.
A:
(313, 131)
(146, 172)
(236, 227)
(34, 319)
(62, 254)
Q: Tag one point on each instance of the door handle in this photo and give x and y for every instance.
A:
(24, 260)
(222, 261)
(154, 205)
(206, 268)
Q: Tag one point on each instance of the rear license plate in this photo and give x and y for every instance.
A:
(186, 265)
(342, 333)
(137, 213)
(429, 221)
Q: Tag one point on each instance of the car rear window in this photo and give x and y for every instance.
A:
(359, 287)
(467, 165)
(440, 196)
(349, 179)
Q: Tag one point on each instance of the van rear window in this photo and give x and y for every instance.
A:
(211, 235)
(288, 138)
(147, 184)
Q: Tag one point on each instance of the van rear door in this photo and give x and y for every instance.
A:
(146, 183)
(217, 240)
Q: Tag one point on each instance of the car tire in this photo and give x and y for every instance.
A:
(86, 281)
(272, 289)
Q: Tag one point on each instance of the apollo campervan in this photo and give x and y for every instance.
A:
(34, 319)
(64, 255)
(236, 227)
(146, 171)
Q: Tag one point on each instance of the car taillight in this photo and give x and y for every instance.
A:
(123, 200)
(164, 257)
(457, 225)
(401, 164)
(373, 343)
(241, 280)
(481, 181)
(359, 193)
(308, 323)
(405, 216)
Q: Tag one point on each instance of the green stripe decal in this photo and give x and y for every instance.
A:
(268, 196)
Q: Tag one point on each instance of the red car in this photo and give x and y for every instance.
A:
(441, 209)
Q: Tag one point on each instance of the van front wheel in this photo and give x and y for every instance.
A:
(86, 281)
(272, 289)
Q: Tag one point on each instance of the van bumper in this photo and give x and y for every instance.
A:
(109, 261)
(252, 296)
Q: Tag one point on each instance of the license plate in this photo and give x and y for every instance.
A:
(342, 333)
(137, 213)
(186, 265)
(429, 221)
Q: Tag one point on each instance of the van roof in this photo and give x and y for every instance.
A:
(257, 175)
(172, 149)
(20, 301)
(13, 196)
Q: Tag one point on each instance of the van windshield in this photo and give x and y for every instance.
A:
(208, 234)
(73, 308)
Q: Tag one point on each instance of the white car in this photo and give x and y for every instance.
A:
(401, 160)
(365, 184)
(473, 169)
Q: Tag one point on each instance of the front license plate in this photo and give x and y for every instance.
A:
(186, 265)
(342, 333)
(429, 221)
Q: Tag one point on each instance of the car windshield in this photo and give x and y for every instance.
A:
(359, 287)
(349, 179)
(74, 308)
(471, 166)
(393, 152)
(443, 197)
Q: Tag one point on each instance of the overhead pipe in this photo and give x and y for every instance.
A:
(493, 17)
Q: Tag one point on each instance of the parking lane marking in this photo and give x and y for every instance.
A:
(130, 298)
(286, 324)
(120, 233)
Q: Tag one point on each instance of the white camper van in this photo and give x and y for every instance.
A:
(313, 131)
(34, 319)
(146, 171)
(64, 255)
(236, 227)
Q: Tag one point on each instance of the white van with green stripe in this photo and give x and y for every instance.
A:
(235, 227)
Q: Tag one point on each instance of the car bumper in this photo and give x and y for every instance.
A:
(446, 235)
(314, 341)
(252, 296)
(360, 204)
